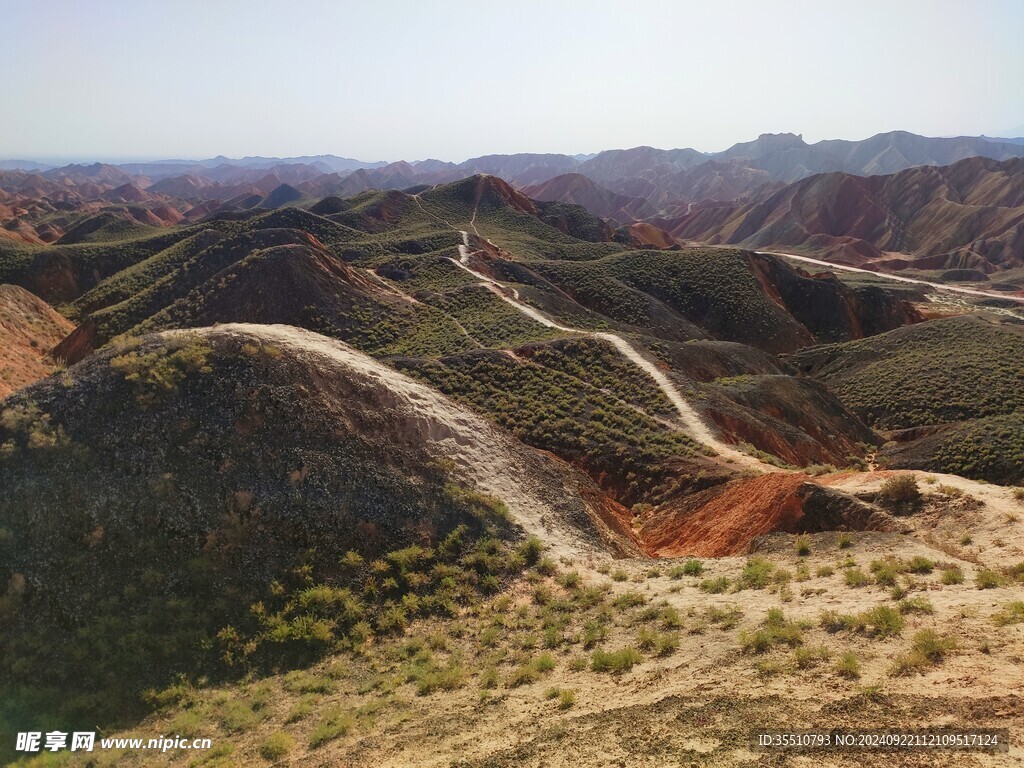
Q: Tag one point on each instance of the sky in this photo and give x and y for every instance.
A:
(448, 79)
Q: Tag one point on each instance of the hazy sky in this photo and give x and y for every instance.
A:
(451, 80)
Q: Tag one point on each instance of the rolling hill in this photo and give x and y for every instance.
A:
(330, 476)
(967, 215)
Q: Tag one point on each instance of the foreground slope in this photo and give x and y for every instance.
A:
(182, 475)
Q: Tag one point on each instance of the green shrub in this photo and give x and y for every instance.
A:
(855, 577)
(670, 618)
(757, 573)
(900, 491)
(566, 699)
(927, 648)
(776, 629)
(277, 745)
(952, 575)
(882, 620)
(807, 657)
(714, 586)
(844, 540)
(335, 723)
(530, 550)
(1012, 613)
(802, 545)
(660, 643)
(886, 571)
(693, 567)
(524, 674)
(919, 564)
(848, 665)
(622, 660)
(570, 580)
(545, 663)
(629, 600)
(447, 678)
(916, 605)
(986, 578)
(832, 621)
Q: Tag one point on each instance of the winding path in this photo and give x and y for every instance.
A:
(689, 419)
(897, 278)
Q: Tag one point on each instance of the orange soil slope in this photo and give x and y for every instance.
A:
(29, 328)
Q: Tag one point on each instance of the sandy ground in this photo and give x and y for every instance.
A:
(698, 704)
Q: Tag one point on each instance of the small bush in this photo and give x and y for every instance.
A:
(886, 571)
(988, 579)
(825, 571)
(619, 575)
(693, 567)
(848, 666)
(446, 678)
(900, 491)
(919, 564)
(525, 674)
(882, 620)
(776, 630)
(571, 580)
(616, 662)
(757, 573)
(489, 678)
(566, 699)
(593, 633)
(530, 550)
(855, 577)
(916, 605)
(334, 724)
(629, 600)
(726, 617)
(806, 657)
(660, 643)
(802, 545)
(277, 745)
(926, 649)
(544, 663)
(1018, 494)
(844, 541)
(832, 621)
(953, 575)
(714, 586)
(670, 618)
(1012, 613)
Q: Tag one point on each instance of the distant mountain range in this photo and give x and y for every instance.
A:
(968, 215)
(781, 157)
(833, 197)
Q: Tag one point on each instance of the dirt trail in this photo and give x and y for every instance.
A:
(897, 278)
(688, 416)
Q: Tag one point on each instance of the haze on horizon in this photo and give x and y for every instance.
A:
(455, 79)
